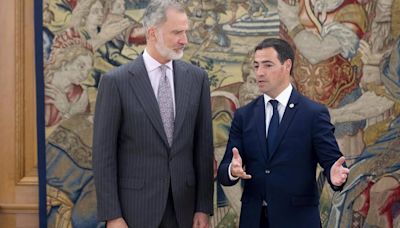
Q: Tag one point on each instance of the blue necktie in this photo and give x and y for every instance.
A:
(273, 126)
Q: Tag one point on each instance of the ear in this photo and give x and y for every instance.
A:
(288, 65)
(151, 33)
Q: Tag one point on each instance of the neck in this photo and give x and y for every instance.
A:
(278, 91)
(155, 54)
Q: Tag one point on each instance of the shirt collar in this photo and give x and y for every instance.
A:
(152, 64)
(282, 98)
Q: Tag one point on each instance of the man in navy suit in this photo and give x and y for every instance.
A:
(274, 145)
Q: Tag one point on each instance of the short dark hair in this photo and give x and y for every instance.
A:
(282, 47)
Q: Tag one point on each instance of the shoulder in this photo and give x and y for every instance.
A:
(310, 105)
(193, 69)
(249, 108)
(125, 68)
(116, 72)
(122, 72)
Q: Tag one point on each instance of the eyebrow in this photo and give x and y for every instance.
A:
(181, 29)
(264, 61)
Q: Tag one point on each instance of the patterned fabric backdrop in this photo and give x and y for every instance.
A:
(347, 57)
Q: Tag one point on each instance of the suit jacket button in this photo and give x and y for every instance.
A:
(267, 171)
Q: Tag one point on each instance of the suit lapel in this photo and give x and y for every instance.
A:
(287, 118)
(143, 90)
(260, 125)
(182, 84)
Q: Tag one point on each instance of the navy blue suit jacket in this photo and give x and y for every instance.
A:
(286, 177)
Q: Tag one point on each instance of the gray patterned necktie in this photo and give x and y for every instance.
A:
(165, 103)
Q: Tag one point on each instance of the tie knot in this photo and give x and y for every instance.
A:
(163, 69)
(274, 103)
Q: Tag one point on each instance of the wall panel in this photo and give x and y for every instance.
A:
(18, 191)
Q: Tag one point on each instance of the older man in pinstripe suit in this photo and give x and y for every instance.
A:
(152, 143)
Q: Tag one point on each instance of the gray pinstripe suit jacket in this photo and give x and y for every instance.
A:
(133, 165)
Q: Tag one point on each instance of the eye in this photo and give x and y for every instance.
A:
(268, 65)
(179, 32)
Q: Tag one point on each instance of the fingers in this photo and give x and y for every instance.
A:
(200, 220)
(245, 176)
(339, 173)
(235, 152)
(117, 223)
(238, 171)
(344, 173)
(340, 161)
(339, 180)
(343, 179)
(237, 166)
(345, 170)
(242, 175)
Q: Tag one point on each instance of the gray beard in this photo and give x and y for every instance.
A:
(166, 52)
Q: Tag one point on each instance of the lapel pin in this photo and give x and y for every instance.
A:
(291, 105)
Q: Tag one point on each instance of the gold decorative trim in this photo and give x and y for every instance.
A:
(19, 208)
(19, 90)
(23, 176)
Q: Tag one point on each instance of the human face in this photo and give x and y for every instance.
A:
(78, 70)
(171, 36)
(96, 14)
(272, 76)
(118, 7)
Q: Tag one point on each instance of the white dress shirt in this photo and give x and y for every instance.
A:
(154, 72)
(283, 99)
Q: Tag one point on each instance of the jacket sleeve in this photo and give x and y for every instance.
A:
(105, 138)
(324, 143)
(203, 151)
(235, 136)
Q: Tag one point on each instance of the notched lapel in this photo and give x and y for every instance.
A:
(183, 85)
(286, 119)
(143, 90)
(260, 122)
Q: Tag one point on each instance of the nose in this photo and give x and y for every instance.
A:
(183, 40)
(259, 72)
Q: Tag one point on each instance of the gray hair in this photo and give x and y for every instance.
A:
(155, 13)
